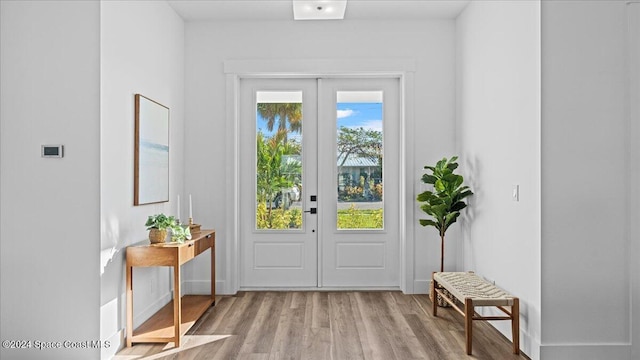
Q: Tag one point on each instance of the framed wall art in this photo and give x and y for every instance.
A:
(151, 174)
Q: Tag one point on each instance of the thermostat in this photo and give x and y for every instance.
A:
(52, 151)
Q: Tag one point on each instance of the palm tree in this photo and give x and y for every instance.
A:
(284, 113)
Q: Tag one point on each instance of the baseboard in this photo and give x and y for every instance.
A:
(151, 309)
(203, 287)
(585, 352)
(421, 286)
(115, 344)
(529, 345)
(324, 288)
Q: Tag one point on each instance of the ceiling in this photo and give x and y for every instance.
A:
(202, 10)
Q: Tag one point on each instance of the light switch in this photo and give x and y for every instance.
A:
(515, 192)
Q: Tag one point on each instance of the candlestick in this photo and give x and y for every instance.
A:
(190, 207)
(178, 209)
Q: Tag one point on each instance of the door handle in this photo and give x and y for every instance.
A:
(312, 211)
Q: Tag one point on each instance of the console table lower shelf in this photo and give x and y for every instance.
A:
(160, 328)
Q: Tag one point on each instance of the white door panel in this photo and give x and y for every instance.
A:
(283, 256)
(364, 255)
(360, 257)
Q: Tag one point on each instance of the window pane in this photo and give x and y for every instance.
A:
(359, 160)
(278, 160)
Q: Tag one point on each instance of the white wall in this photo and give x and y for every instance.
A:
(208, 45)
(499, 137)
(142, 45)
(634, 173)
(585, 181)
(49, 219)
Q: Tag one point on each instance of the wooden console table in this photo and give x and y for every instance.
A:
(174, 319)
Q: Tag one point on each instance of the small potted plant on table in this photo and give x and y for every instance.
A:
(180, 233)
(158, 225)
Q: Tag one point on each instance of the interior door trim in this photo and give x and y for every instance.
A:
(319, 67)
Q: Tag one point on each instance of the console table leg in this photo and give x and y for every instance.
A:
(177, 303)
(213, 273)
(129, 305)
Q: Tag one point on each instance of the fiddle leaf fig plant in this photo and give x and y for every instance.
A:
(445, 202)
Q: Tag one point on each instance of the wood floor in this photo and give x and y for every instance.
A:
(328, 325)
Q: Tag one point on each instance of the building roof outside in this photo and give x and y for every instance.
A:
(355, 160)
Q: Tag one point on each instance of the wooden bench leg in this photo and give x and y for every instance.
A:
(434, 301)
(468, 322)
(515, 325)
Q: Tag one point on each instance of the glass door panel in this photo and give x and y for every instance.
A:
(279, 122)
(359, 122)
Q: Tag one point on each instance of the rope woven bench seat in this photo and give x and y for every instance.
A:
(472, 290)
(464, 285)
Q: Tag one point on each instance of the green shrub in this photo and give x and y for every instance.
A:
(277, 219)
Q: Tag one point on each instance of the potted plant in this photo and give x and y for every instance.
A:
(180, 233)
(445, 202)
(158, 225)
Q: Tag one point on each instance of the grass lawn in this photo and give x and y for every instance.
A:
(353, 218)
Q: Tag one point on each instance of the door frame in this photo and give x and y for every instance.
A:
(402, 69)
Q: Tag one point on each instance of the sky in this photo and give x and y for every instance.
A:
(354, 115)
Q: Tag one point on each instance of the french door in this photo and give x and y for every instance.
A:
(319, 200)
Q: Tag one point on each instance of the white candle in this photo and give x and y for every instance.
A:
(190, 208)
(178, 208)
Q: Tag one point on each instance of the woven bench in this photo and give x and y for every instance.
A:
(472, 290)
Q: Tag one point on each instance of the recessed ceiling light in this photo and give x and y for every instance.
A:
(319, 9)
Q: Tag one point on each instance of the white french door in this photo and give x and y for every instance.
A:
(359, 233)
(319, 201)
(278, 241)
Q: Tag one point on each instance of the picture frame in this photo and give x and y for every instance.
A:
(151, 158)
